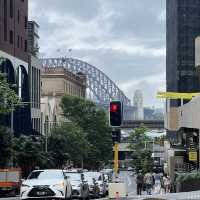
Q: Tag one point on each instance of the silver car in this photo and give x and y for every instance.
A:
(100, 180)
(94, 188)
(80, 188)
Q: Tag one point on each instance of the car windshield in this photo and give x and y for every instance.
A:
(90, 176)
(74, 176)
(41, 175)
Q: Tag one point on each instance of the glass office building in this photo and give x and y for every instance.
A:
(183, 26)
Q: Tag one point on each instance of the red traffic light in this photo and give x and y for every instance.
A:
(116, 113)
(113, 107)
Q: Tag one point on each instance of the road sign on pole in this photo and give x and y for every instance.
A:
(192, 156)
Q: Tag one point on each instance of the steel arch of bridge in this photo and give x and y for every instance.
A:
(99, 83)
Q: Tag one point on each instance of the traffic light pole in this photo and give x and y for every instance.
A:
(115, 119)
(116, 159)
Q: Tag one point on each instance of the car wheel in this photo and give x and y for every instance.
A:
(88, 195)
(66, 198)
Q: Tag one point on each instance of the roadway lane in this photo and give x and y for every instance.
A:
(126, 177)
(10, 198)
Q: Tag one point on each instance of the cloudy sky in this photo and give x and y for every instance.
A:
(123, 38)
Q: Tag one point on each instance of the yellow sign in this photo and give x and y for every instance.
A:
(192, 156)
(116, 158)
(176, 95)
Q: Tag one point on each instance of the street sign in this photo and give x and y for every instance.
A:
(192, 156)
(176, 95)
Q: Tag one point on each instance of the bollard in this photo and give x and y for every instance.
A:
(117, 196)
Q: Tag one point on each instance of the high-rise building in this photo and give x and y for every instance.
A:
(138, 104)
(183, 26)
(33, 37)
(35, 67)
(14, 59)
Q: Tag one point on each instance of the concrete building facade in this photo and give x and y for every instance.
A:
(35, 67)
(57, 82)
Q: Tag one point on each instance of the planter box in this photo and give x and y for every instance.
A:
(188, 186)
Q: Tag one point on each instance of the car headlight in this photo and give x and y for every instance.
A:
(59, 185)
(25, 186)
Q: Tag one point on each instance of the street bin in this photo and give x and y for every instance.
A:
(117, 190)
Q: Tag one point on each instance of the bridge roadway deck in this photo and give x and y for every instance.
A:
(151, 124)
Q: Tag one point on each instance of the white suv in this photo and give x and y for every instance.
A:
(46, 184)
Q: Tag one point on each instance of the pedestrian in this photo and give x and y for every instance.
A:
(157, 186)
(139, 182)
(148, 181)
(166, 183)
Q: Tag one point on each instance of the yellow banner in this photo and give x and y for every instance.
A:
(176, 95)
(192, 156)
(116, 158)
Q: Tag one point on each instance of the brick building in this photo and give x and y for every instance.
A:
(14, 58)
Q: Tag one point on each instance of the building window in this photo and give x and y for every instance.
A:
(21, 43)
(5, 20)
(25, 45)
(11, 8)
(11, 37)
(25, 22)
(18, 38)
(18, 16)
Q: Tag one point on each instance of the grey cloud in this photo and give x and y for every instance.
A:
(131, 22)
(84, 10)
(139, 19)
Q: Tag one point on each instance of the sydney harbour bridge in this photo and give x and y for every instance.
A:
(103, 89)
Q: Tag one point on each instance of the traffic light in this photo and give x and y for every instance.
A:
(116, 113)
(116, 136)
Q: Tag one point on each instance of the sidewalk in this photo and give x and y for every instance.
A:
(195, 195)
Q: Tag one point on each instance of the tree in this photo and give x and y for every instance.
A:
(26, 153)
(68, 142)
(8, 97)
(141, 154)
(94, 122)
(5, 146)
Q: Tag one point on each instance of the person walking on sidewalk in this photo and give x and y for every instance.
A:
(157, 185)
(139, 182)
(166, 183)
(148, 181)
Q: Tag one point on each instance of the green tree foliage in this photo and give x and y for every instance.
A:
(8, 97)
(94, 122)
(27, 153)
(141, 155)
(68, 142)
(5, 146)
(138, 139)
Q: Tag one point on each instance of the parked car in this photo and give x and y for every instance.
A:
(46, 184)
(94, 188)
(80, 187)
(100, 179)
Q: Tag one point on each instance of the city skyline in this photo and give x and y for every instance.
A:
(136, 50)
